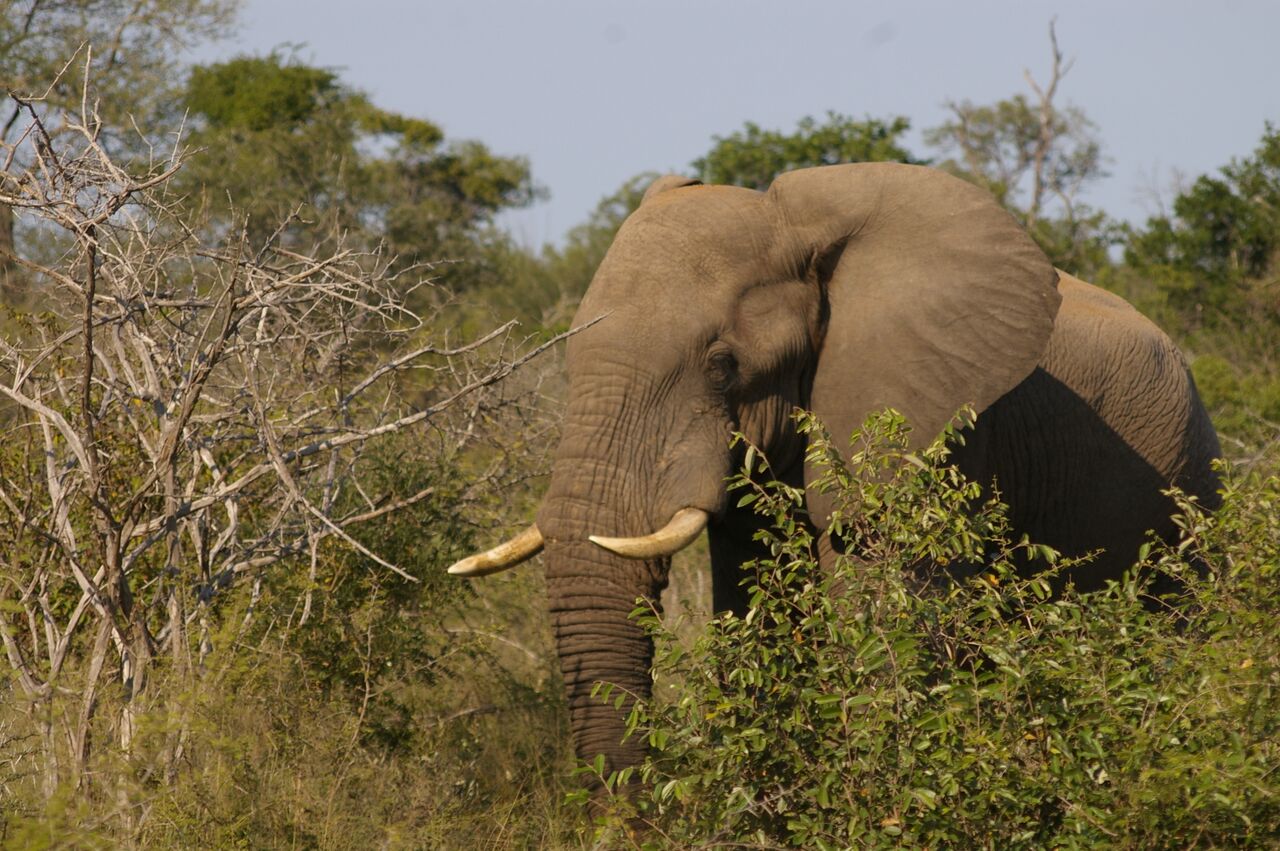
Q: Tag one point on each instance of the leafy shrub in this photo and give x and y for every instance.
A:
(922, 694)
(1243, 395)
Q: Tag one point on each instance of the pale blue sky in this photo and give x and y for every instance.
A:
(596, 91)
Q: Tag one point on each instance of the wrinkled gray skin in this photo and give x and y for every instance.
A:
(843, 290)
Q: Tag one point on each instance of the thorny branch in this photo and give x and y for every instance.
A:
(185, 405)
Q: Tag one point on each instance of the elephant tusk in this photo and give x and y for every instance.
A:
(685, 526)
(506, 555)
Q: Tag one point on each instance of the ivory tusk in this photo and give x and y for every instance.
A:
(506, 555)
(681, 531)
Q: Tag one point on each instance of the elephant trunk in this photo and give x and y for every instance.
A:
(619, 476)
(592, 594)
(592, 591)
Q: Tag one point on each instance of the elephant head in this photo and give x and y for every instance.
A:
(843, 290)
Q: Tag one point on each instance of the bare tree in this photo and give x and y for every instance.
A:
(1027, 153)
(179, 419)
(138, 45)
(1036, 157)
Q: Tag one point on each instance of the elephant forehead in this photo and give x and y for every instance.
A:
(668, 275)
(675, 273)
(673, 298)
(650, 329)
(664, 264)
(722, 226)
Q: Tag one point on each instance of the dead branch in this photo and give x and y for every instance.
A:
(1049, 130)
(184, 398)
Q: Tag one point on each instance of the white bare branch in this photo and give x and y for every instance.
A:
(198, 411)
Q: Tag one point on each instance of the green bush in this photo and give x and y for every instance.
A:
(922, 694)
(1243, 396)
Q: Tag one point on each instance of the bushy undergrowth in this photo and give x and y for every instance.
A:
(341, 708)
(924, 695)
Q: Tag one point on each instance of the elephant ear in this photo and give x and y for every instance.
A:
(936, 297)
(665, 182)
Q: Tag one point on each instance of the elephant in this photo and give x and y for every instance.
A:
(842, 290)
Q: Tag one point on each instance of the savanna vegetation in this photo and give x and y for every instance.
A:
(259, 386)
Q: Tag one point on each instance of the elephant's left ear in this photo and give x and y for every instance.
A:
(937, 297)
(667, 181)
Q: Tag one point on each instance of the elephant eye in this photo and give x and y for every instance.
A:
(722, 368)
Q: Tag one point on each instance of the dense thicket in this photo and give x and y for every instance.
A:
(881, 705)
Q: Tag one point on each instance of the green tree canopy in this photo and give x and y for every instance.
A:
(1027, 156)
(753, 156)
(1215, 257)
(258, 94)
(280, 136)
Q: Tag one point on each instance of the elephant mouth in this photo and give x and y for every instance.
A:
(681, 530)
